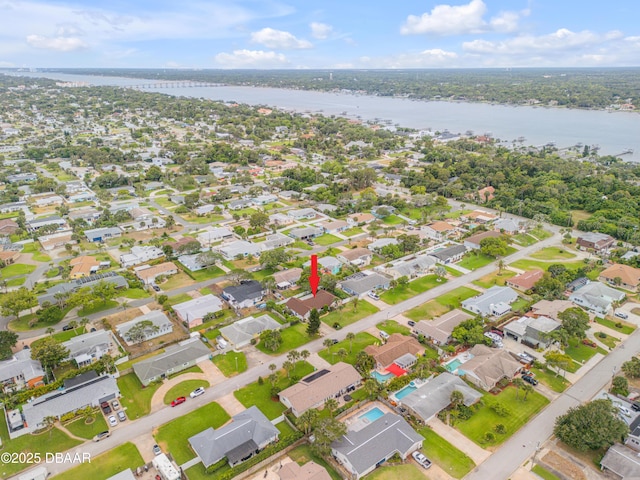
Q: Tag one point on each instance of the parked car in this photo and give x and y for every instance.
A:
(635, 406)
(112, 421)
(102, 436)
(589, 343)
(156, 287)
(530, 379)
(421, 459)
(622, 315)
(374, 295)
(106, 408)
(333, 341)
(156, 450)
(121, 416)
(197, 392)
(411, 323)
(66, 328)
(497, 332)
(384, 334)
(116, 405)
(178, 401)
(624, 410)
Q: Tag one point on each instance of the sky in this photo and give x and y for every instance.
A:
(330, 34)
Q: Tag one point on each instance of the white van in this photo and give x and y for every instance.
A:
(384, 335)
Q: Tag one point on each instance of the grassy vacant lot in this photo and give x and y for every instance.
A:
(227, 363)
(202, 275)
(17, 269)
(181, 297)
(80, 427)
(540, 233)
(484, 419)
(300, 245)
(260, 395)
(543, 473)
(106, 465)
(326, 239)
(362, 340)
(581, 353)
(552, 253)
(304, 454)
(524, 239)
(495, 278)
(391, 326)
(441, 305)
(472, 261)
(292, 337)
(551, 380)
(406, 472)
(183, 389)
(351, 232)
(347, 315)
(135, 293)
(625, 328)
(53, 440)
(178, 280)
(16, 282)
(97, 307)
(404, 292)
(392, 220)
(448, 457)
(135, 397)
(173, 436)
(528, 264)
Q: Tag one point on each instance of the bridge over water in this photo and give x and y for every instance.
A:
(176, 84)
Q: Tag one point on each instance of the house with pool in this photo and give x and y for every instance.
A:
(484, 366)
(396, 356)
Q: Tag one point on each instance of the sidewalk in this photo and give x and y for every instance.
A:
(476, 453)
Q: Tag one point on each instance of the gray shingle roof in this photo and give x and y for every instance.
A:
(244, 330)
(174, 356)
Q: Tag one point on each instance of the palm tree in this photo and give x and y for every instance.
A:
(83, 322)
(288, 366)
(73, 324)
(306, 421)
(372, 387)
(124, 304)
(456, 398)
(342, 354)
(351, 336)
(355, 302)
(273, 367)
(273, 378)
(527, 389)
(518, 383)
(500, 266)
(304, 354)
(49, 330)
(330, 405)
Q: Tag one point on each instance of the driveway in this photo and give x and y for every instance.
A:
(454, 437)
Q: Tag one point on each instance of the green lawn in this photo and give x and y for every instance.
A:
(136, 398)
(452, 271)
(231, 363)
(551, 380)
(181, 297)
(207, 219)
(173, 436)
(391, 326)
(441, 305)
(581, 353)
(404, 292)
(292, 337)
(449, 458)
(347, 315)
(351, 232)
(192, 369)
(625, 328)
(540, 233)
(183, 389)
(80, 428)
(495, 278)
(135, 293)
(610, 341)
(304, 454)
(524, 239)
(484, 419)
(17, 269)
(362, 340)
(16, 282)
(260, 275)
(61, 336)
(106, 465)
(300, 245)
(178, 280)
(97, 307)
(543, 473)
(552, 253)
(326, 239)
(528, 264)
(392, 220)
(52, 441)
(406, 472)
(202, 275)
(260, 395)
(472, 261)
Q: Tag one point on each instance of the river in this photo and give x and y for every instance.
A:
(613, 132)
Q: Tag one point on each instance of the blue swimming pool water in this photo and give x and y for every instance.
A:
(453, 365)
(400, 394)
(372, 415)
(381, 378)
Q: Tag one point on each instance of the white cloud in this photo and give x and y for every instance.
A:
(60, 44)
(320, 31)
(251, 59)
(461, 19)
(272, 38)
(434, 57)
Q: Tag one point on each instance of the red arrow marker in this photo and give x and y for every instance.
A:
(314, 279)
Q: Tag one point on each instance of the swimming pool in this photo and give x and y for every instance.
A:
(453, 365)
(381, 378)
(400, 394)
(372, 415)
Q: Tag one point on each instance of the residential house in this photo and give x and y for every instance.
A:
(622, 276)
(410, 267)
(620, 462)
(90, 347)
(86, 196)
(21, 371)
(140, 254)
(396, 346)
(362, 451)
(46, 199)
(9, 256)
(245, 295)
(327, 264)
(246, 435)
(56, 240)
(315, 389)
(361, 283)
(69, 399)
(532, 331)
(148, 274)
(495, 301)
(439, 230)
(173, 360)
(473, 242)
(356, 256)
(334, 226)
(13, 207)
(449, 255)
(205, 209)
(289, 195)
(287, 278)
(302, 308)
(239, 204)
(280, 219)
(487, 366)
(309, 471)
(378, 244)
(550, 308)
(239, 249)
(435, 395)
(68, 287)
(37, 224)
(179, 246)
(361, 218)
(8, 226)
(303, 214)
(276, 240)
(160, 325)
(633, 439)
(507, 225)
(102, 234)
(479, 216)
(264, 199)
(192, 312)
(486, 194)
(22, 178)
(192, 262)
(439, 330)
(214, 235)
(83, 266)
(89, 215)
(381, 211)
(241, 332)
(597, 297)
(595, 241)
(525, 281)
(326, 207)
(306, 233)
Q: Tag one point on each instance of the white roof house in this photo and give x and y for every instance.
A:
(157, 318)
(494, 301)
(193, 311)
(597, 297)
